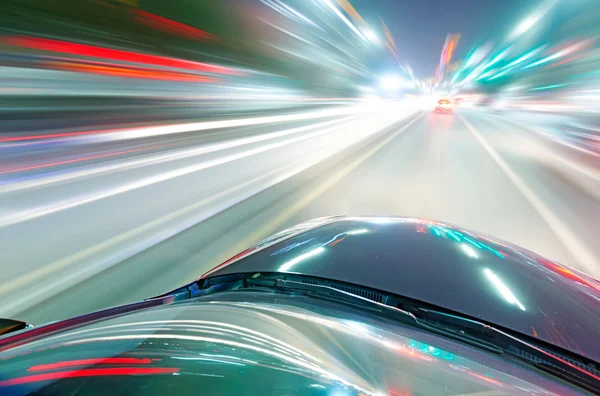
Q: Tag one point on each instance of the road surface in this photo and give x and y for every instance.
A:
(91, 220)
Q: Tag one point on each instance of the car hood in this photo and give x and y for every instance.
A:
(444, 265)
(256, 343)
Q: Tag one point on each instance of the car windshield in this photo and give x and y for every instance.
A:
(146, 143)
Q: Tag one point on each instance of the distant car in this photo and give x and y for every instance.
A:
(443, 106)
(335, 306)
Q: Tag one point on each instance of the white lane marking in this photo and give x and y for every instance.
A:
(574, 166)
(575, 247)
(128, 164)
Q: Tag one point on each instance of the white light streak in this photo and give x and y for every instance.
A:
(525, 26)
(293, 360)
(503, 289)
(356, 232)
(287, 266)
(159, 159)
(343, 18)
(35, 212)
(469, 250)
(371, 36)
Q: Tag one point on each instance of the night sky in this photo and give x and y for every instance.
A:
(419, 27)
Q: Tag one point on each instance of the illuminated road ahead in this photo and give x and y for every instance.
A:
(93, 220)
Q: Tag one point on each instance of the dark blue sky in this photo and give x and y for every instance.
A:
(419, 27)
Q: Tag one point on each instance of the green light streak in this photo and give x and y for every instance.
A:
(471, 58)
(452, 235)
(485, 75)
(472, 242)
(505, 72)
(455, 77)
(496, 59)
(545, 60)
(548, 87)
(524, 57)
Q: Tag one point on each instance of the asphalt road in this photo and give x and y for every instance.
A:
(89, 221)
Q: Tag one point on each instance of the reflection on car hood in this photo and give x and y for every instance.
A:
(444, 265)
(256, 343)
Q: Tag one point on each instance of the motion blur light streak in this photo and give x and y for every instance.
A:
(133, 72)
(157, 159)
(337, 12)
(359, 231)
(469, 251)
(527, 24)
(86, 199)
(134, 133)
(503, 289)
(287, 266)
(89, 373)
(51, 164)
(89, 362)
(84, 50)
(172, 26)
(271, 352)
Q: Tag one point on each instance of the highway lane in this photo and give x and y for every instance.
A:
(470, 168)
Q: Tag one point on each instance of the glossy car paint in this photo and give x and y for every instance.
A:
(446, 266)
(257, 343)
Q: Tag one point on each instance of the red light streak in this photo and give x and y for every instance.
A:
(332, 244)
(569, 274)
(57, 135)
(483, 377)
(66, 47)
(26, 168)
(89, 373)
(132, 72)
(224, 263)
(535, 333)
(89, 362)
(169, 25)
